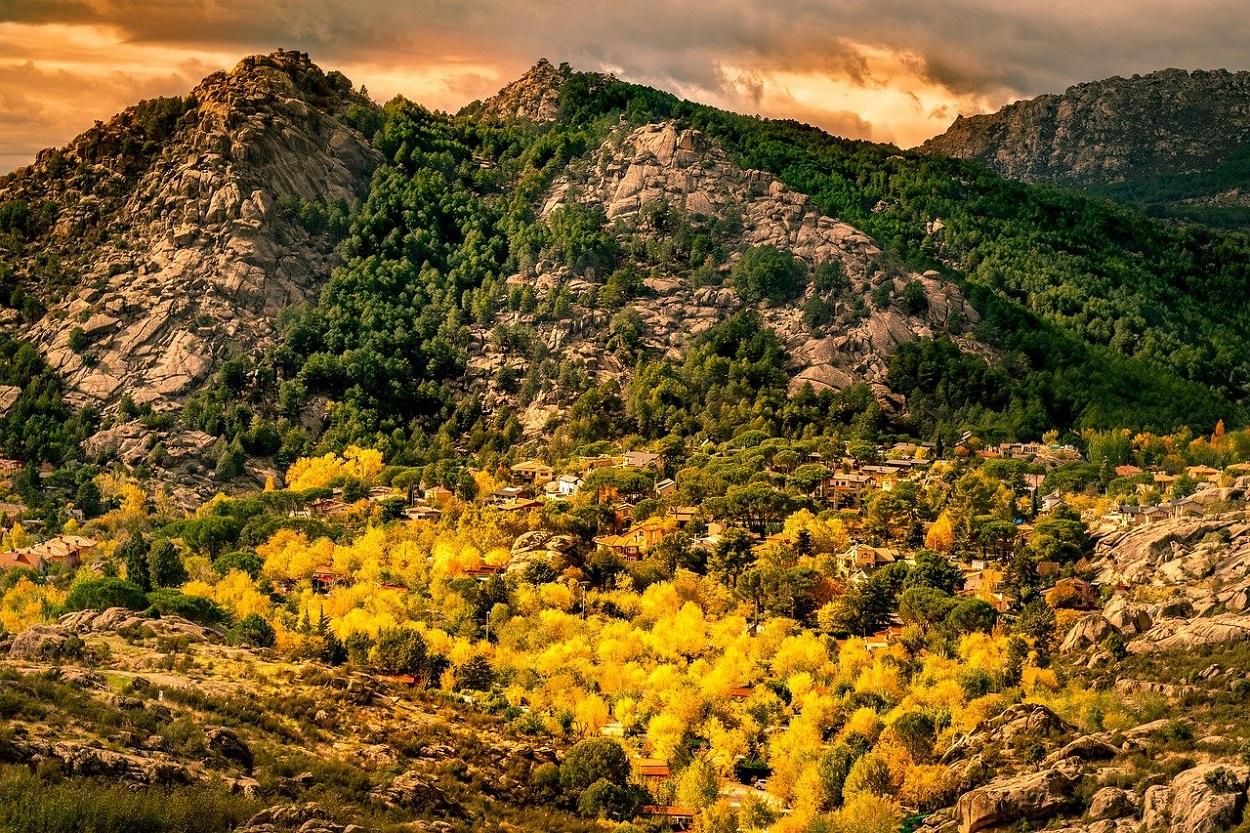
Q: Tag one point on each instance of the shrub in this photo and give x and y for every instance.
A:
(102, 593)
(253, 630)
(196, 608)
(242, 560)
(611, 801)
(592, 760)
(398, 651)
(765, 273)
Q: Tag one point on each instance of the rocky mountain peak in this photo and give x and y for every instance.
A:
(181, 227)
(1166, 122)
(534, 96)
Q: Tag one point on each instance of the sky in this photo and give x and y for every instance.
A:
(887, 70)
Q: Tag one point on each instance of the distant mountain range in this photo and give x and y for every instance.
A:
(1177, 142)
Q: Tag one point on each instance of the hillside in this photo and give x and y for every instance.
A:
(1172, 140)
(154, 247)
(594, 460)
(581, 259)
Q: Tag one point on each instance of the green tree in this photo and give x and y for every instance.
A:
(165, 565)
(134, 554)
(765, 273)
(253, 630)
(592, 760)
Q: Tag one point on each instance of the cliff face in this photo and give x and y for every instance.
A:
(180, 229)
(1167, 122)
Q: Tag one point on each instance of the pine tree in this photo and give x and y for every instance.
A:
(134, 554)
(165, 566)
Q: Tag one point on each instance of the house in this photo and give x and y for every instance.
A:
(1127, 471)
(523, 504)
(508, 494)
(532, 471)
(682, 515)
(641, 460)
(665, 487)
(567, 485)
(861, 560)
(421, 512)
(1051, 501)
(652, 771)
(328, 508)
(437, 495)
(678, 818)
(64, 551)
(637, 540)
(1203, 473)
(8, 465)
(845, 489)
(740, 692)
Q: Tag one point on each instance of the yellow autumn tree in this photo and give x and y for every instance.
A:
(941, 536)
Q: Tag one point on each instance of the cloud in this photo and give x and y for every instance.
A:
(896, 70)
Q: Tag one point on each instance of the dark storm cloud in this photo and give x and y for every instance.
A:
(929, 58)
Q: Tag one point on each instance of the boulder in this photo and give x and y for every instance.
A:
(414, 790)
(1203, 799)
(1086, 632)
(1131, 619)
(1018, 726)
(44, 642)
(225, 743)
(1032, 796)
(1111, 803)
(1180, 634)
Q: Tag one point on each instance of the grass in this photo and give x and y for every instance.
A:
(29, 804)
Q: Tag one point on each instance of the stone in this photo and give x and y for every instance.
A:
(226, 743)
(1032, 796)
(1088, 631)
(1111, 803)
(1203, 799)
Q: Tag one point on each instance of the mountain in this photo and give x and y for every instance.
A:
(1176, 141)
(592, 459)
(168, 239)
(274, 264)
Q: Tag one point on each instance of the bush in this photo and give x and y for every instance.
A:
(611, 801)
(242, 560)
(103, 593)
(196, 608)
(399, 651)
(254, 631)
(764, 273)
(29, 804)
(592, 760)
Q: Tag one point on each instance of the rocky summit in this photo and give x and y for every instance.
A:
(177, 235)
(1112, 130)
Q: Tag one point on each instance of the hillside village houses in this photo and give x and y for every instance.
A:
(63, 551)
(846, 489)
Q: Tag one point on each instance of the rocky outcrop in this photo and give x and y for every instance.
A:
(414, 790)
(1109, 131)
(1086, 632)
(1033, 796)
(535, 96)
(1021, 725)
(185, 250)
(1180, 634)
(665, 166)
(306, 818)
(1203, 799)
(63, 639)
(1111, 803)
